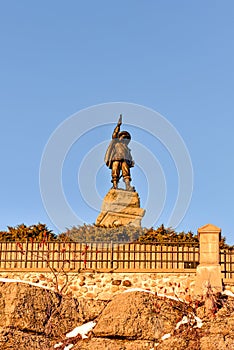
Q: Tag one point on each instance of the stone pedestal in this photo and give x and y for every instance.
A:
(209, 269)
(120, 207)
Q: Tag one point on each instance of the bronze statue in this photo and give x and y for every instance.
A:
(118, 157)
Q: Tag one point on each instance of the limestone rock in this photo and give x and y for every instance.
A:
(131, 315)
(213, 342)
(13, 339)
(216, 333)
(36, 318)
(120, 207)
(113, 344)
(25, 306)
(32, 317)
(72, 313)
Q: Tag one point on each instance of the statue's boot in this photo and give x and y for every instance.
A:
(115, 184)
(128, 186)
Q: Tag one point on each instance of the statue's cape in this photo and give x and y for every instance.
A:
(109, 153)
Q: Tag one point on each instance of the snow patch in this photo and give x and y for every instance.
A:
(166, 336)
(183, 321)
(82, 330)
(199, 322)
(7, 280)
(186, 320)
(138, 290)
(228, 293)
(68, 347)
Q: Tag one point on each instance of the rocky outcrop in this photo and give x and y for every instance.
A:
(217, 332)
(33, 317)
(139, 321)
(132, 315)
(37, 318)
(114, 344)
(26, 307)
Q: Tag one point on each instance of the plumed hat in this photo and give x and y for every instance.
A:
(125, 134)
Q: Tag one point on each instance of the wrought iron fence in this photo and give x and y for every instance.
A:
(227, 262)
(97, 255)
(112, 256)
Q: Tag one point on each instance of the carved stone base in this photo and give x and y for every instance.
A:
(120, 207)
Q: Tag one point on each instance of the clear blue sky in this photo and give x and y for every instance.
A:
(175, 57)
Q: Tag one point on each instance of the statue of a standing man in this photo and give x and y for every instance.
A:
(118, 157)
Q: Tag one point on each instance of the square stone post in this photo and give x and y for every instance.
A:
(209, 269)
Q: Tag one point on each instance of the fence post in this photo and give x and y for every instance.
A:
(209, 269)
(111, 255)
(26, 255)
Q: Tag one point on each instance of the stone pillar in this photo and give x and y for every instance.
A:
(209, 269)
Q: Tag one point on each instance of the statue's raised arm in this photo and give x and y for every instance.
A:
(116, 131)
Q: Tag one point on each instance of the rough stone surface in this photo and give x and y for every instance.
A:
(13, 339)
(35, 318)
(132, 316)
(71, 313)
(26, 307)
(113, 344)
(120, 207)
(216, 333)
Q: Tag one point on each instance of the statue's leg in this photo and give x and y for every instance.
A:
(115, 173)
(127, 176)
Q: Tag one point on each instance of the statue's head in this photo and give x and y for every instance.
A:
(125, 136)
